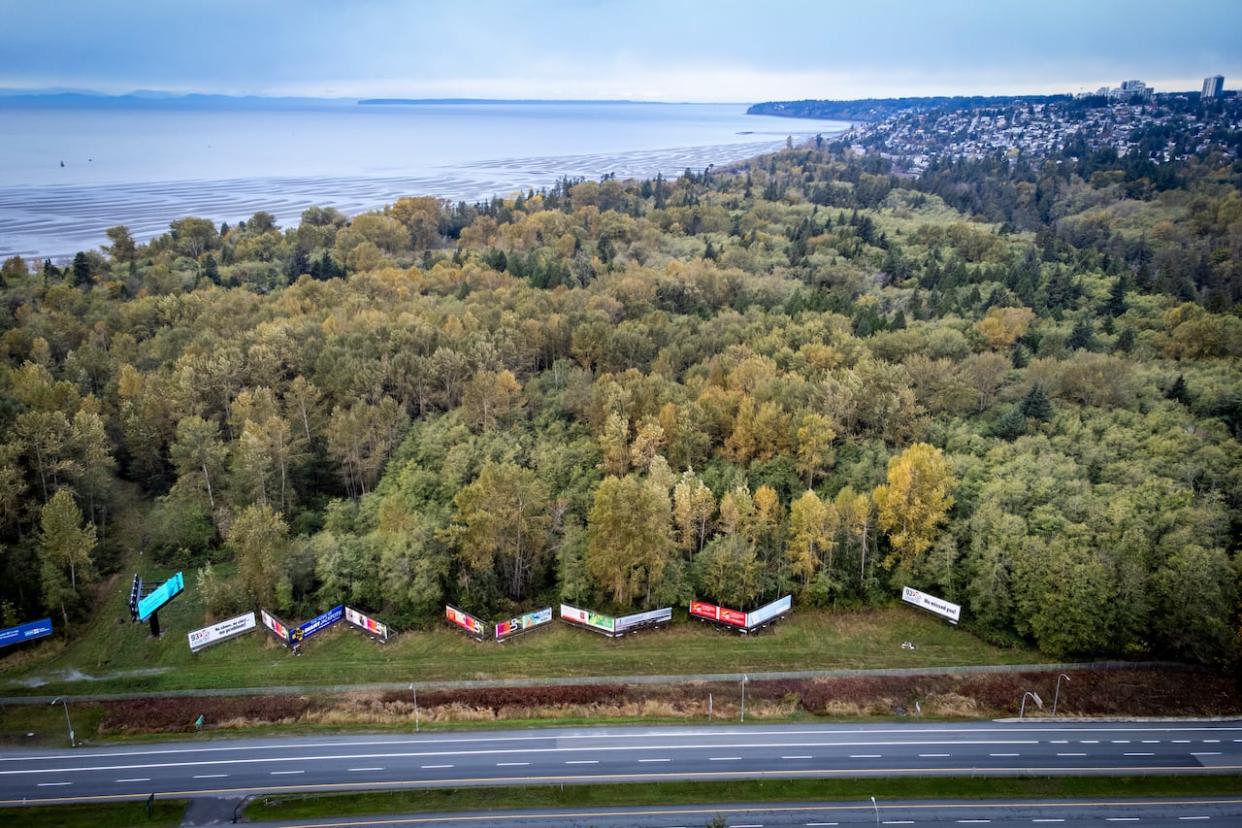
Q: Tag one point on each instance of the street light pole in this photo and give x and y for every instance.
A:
(877, 810)
(414, 690)
(1057, 696)
(68, 724)
(1027, 695)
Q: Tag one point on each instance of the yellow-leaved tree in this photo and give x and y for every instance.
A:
(913, 504)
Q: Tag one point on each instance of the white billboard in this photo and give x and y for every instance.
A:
(221, 632)
(366, 623)
(931, 603)
(659, 616)
(766, 613)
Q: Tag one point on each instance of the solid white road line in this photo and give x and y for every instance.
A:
(824, 732)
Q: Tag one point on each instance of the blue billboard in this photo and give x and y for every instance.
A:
(26, 632)
(304, 631)
(163, 593)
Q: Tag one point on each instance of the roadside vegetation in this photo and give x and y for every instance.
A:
(804, 374)
(1157, 692)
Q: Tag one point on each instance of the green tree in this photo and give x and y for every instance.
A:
(259, 538)
(65, 552)
(629, 540)
(501, 525)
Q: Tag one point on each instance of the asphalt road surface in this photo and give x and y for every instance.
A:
(222, 768)
(1182, 813)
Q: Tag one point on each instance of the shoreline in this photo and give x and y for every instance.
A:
(55, 221)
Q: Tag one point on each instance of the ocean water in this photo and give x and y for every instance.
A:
(143, 166)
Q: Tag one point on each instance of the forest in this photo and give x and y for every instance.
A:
(1013, 385)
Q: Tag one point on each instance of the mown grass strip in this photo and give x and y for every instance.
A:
(164, 812)
(309, 806)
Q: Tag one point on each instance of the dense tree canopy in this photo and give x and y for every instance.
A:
(803, 374)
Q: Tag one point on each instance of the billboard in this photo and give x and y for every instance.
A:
(366, 623)
(587, 618)
(643, 619)
(26, 632)
(163, 593)
(466, 621)
(769, 611)
(931, 603)
(523, 622)
(223, 631)
(278, 627)
(319, 622)
(711, 612)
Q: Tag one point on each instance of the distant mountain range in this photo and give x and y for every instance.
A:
(152, 99)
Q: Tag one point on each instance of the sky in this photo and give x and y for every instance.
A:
(662, 50)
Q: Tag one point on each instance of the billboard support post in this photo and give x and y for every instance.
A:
(155, 624)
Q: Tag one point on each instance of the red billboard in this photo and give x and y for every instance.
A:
(732, 617)
(464, 620)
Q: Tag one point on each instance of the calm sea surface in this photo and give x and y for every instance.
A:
(147, 165)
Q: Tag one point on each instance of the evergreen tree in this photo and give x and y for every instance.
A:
(1011, 426)
(1083, 335)
(81, 270)
(1177, 391)
(1036, 404)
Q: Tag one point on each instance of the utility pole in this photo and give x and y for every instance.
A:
(68, 724)
(414, 690)
(1057, 697)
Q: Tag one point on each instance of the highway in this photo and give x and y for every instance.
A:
(1159, 813)
(223, 768)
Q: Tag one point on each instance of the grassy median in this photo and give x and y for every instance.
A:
(311, 806)
(164, 812)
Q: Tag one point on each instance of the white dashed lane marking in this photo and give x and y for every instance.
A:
(286, 773)
(211, 776)
(136, 779)
(53, 784)
(364, 770)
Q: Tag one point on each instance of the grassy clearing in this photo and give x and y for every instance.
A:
(120, 656)
(164, 812)
(692, 793)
